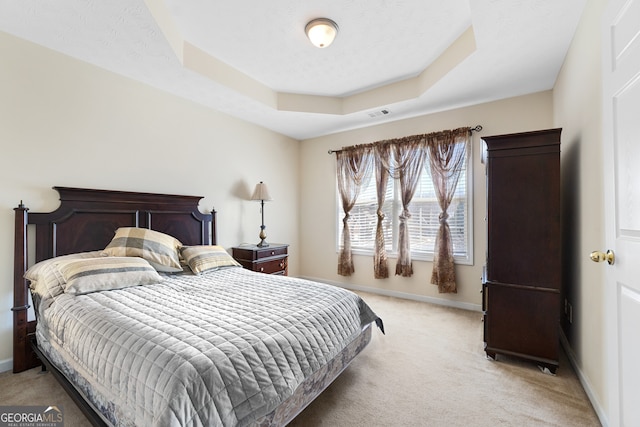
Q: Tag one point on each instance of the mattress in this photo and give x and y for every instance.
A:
(224, 348)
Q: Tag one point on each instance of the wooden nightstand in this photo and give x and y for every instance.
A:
(272, 259)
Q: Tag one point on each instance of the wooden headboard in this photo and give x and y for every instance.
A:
(86, 221)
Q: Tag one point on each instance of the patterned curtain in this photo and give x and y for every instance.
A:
(382, 165)
(447, 153)
(404, 159)
(409, 156)
(355, 167)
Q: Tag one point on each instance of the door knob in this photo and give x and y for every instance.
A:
(597, 256)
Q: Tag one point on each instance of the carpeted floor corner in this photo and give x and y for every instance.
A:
(428, 370)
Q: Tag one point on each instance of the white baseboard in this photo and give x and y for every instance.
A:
(386, 292)
(586, 385)
(6, 365)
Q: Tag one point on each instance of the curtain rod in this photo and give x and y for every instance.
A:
(477, 128)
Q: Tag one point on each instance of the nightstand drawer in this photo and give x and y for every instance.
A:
(269, 252)
(253, 252)
(275, 266)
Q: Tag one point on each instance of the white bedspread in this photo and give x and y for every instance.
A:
(220, 349)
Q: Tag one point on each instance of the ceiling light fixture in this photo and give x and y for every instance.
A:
(321, 31)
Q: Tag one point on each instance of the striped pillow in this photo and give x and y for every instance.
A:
(161, 250)
(205, 258)
(46, 280)
(83, 276)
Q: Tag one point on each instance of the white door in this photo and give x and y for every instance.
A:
(621, 157)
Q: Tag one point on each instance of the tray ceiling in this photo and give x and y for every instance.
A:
(251, 59)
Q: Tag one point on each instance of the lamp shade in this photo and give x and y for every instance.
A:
(261, 192)
(321, 32)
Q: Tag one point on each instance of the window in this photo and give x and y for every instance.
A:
(423, 224)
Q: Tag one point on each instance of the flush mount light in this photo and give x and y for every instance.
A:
(321, 31)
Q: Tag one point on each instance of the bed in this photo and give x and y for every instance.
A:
(174, 331)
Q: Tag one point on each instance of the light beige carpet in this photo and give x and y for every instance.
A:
(428, 370)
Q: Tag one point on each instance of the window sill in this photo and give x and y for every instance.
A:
(414, 257)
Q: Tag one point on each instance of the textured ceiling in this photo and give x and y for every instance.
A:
(251, 58)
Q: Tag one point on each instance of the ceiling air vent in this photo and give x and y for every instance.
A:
(379, 113)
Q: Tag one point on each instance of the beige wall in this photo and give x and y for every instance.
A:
(67, 123)
(318, 197)
(577, 108)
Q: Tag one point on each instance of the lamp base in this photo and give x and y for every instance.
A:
(262, 236)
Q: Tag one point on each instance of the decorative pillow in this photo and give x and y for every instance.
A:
(204, 258)
(161, 250)
(83, 276)
(46, 280)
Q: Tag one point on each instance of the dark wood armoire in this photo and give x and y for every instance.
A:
(522, 275)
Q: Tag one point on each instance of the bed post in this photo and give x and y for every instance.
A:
(23, 356)
(214, 231)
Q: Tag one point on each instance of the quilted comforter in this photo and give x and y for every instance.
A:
(220, 349)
